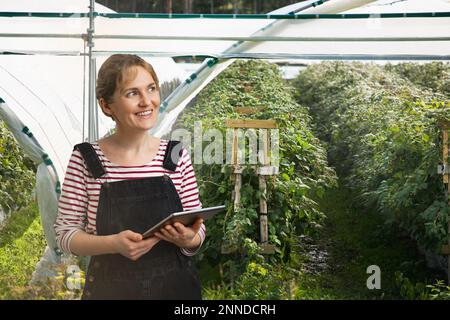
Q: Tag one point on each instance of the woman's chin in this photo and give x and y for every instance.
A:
(146, 125)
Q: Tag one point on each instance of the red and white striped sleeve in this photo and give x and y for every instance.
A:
(189, 195)
(73, 202)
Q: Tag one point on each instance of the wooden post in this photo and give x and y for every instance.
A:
(445, 151)
(237, 171)
(266, 248)
(263, 227)
(263, 171)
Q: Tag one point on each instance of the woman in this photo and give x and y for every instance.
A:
(118, 187)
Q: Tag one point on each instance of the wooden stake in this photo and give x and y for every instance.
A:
(255, 124)
(263, 227)
(264, 230)
(445, 151)
(237, 191)
(249, 110)
(236, 171)
(236, 175)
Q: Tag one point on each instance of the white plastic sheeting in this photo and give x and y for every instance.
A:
(408, 6)
(210, 68)
(337, 36)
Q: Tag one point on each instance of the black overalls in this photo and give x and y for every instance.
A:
(162, 273)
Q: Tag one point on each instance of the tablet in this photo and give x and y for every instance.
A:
(187, 218)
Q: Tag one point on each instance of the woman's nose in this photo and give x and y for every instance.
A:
(145, 99)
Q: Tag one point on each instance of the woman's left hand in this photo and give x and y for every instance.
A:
(181, 236)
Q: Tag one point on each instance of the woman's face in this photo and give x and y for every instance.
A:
(136, 103)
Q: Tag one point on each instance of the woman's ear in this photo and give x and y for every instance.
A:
(105, 107)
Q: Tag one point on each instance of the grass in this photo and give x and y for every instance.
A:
(351, 240)
(355, 239)
(22, 244)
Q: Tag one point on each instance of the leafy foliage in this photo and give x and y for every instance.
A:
(433, 75)
(304, 173)
(260, 280)
(421, 291)
(22, 243)
(16, 173)
(384, 139)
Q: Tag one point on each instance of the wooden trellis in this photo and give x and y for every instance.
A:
(263, 170)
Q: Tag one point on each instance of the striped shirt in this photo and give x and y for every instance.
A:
(77, 206)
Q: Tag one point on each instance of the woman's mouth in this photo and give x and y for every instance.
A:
(145, 114)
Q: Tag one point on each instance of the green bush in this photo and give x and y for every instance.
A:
(433, 75)
(22, 244)
(304, 173)
(421, 291)
(17, 176)
(259, 280)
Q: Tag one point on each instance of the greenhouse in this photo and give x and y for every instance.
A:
(366, 111)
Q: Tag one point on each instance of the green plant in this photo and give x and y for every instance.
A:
(420, 291)
(303, 170)
(260, 280)
(434, 75)
(16, 173)
(383, 137)
(22, 244)
(438, 291)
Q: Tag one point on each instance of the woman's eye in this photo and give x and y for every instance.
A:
(151, 89)
(131, 93)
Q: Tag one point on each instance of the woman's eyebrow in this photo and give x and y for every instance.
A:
(135, 88)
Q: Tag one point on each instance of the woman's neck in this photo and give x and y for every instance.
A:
(133, 143)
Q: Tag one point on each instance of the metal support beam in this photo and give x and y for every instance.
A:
(92, 108)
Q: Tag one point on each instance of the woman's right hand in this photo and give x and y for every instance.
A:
(131, 245)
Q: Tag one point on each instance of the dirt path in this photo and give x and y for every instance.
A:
(352, 240)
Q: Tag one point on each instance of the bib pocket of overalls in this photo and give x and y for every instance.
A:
(138, 213)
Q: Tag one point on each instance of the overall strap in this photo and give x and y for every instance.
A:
(91, 158)
(173, 154)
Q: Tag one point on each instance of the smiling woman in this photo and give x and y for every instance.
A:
(135, 80)
(119, 186)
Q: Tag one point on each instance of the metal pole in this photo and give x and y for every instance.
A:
(92, 114)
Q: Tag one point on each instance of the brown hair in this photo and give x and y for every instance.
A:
(112, 72)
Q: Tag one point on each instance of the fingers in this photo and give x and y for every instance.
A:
(165, 234)
(137, 255)
(133, 236)
(180, 228)
(147, 243)
(144, 247)
(197, 225)
(162, 237)
(151, 241)
(171, 231)
(178, 233)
